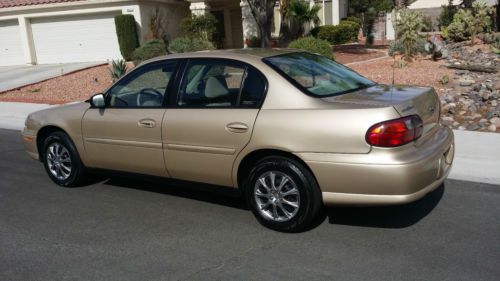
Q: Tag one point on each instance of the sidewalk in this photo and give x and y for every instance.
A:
(477, 154)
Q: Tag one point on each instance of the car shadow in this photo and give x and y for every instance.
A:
(225, 196)
(399, 216)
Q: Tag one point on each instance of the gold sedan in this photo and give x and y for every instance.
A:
(292, 130)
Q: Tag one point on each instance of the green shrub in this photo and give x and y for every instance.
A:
(254, 42)
(469, 23)
(313, 45)
(408, 26)
(126, 32)
(428, 25)
(447, 13)
(345, 32)
(354, 19)
(117, 69)
(190, 44)
(148, 50)
(314, 32)
(397, 46)
(200, 26)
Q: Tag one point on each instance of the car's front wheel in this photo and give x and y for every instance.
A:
(61, 160)
(283, 194)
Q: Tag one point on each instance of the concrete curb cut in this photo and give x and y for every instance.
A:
(477, 154)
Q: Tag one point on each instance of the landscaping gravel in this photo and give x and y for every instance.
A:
(77, 86)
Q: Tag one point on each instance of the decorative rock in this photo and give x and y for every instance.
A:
(466, 83)
(473, 127)
(492, 128)
(462, 128)
(495, 121)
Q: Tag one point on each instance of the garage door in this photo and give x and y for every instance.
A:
(11, 50)
(77, 38)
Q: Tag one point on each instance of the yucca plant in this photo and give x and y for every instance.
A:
(118, 69)
(301, 13)
(408, 25)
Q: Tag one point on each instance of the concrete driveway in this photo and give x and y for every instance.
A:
(12, 77)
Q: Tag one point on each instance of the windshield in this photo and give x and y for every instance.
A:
(317, 75)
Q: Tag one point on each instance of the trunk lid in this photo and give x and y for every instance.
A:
(406, 100)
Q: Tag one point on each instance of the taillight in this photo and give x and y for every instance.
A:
(395, 132)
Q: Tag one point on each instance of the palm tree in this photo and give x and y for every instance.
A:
(300, 13)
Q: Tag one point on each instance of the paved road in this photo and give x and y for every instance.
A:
(120, 229)
(12, 77)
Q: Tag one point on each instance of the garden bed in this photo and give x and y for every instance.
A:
(77, 86)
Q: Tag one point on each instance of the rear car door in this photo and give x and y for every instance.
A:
(212, 119)
(126, 134)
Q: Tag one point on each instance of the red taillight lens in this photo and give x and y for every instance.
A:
(395, 132)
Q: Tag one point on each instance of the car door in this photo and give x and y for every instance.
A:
(126, 134)
(211, 120)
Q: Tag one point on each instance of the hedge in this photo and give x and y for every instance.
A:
(345, 32)
(126, 32)
(313, 45)
(148, 50)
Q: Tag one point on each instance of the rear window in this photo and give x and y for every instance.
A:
(317, 75)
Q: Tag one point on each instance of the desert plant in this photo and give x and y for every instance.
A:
(397, 46)
(148, 50)
(156, 22)
(399, 63)
(447, 13)
(200, 26)
(480, 21)
(126, 32)
(313, 45)
(469, 22)
(254, 42)
(428, 25)
(408, 26)
(300, 12)
(444, 79)
(190, 44)
(117, 69)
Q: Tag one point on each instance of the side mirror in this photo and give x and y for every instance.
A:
(98, 101)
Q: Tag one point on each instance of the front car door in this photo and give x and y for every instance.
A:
(126, 134)
(212, 119)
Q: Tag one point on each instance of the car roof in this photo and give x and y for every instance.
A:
(247, 54)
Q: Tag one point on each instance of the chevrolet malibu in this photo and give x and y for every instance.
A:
(292, 130)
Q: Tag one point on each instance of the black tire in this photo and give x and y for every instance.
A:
(76, 175)
(310, 200)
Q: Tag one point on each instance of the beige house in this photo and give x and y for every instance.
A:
(61, 31)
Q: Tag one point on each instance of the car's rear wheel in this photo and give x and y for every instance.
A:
(61, 160)
(282, 194)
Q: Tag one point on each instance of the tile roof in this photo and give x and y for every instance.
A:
(16, 3)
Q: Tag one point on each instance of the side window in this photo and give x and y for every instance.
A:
(253, 90)
(211, 83)
(145, 87)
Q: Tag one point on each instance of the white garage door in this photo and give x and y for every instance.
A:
(77, 38)
(11, 49)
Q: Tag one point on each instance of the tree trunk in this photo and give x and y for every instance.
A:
(263, 13)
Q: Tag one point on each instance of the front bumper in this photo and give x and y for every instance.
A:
(30, 144)
(384, 176)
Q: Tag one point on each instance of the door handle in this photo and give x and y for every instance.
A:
(237, 127)
(147, 123)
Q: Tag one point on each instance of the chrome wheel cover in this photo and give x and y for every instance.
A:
(277, 196)
(58, 161)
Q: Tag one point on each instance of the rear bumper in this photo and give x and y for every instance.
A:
(384, 176)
